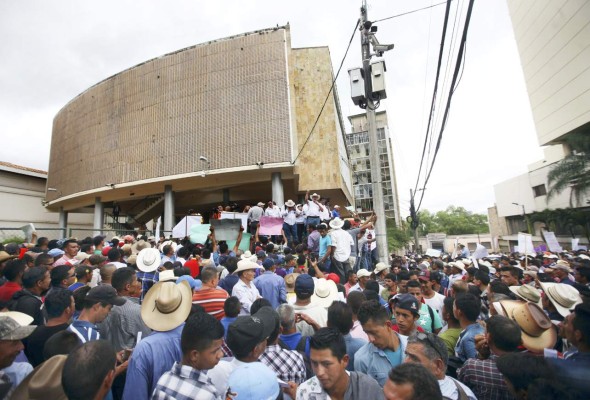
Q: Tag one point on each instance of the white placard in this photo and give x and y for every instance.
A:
(158, 228)
(28, 229)
(480, 252)
(552, 242)
(183, 228)
(525, 243)
(433, 253)
(235, 215)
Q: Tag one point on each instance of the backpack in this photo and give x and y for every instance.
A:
(303, 349)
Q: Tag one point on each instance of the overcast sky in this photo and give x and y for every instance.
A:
(53, 50)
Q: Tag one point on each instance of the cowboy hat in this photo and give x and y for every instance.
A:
(148, 260)
(4, 256)
(315, 195)
(537, 331)
(563, 265)
(325, 292)
(380, 267)
(290, 282)
(168, 243)
(290, 203)
(139, 246)
(260, 204)
(527, 293)
(336, 223)
(362, 273)
(247, 255)
(245, 265)
(563, 296)
(44, 382)
(458, 265)
(166, 305)
(166, 275)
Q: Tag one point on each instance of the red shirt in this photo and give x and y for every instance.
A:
(212, 300)
(418, 328)
(8, 289)
(194, 267)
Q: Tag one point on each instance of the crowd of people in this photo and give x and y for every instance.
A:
(319, 317)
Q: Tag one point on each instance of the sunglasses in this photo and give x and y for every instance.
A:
(429, 338)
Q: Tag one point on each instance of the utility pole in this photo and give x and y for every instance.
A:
(378, 206)
(414, 222)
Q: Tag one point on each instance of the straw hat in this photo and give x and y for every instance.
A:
(139, 246)
(458, 265)
(290, 203)
(4, 256)
(325, 292)
(44, 382)
(168, 243)
(290, 282)
(166, 305)
(247, 255)
(563, 296)
(380, 267)
(527, 293)
(362, 273)
(245, 265)
(148, 260)
(336, 223)
(315, 195)
(166, 275)
(537, 331)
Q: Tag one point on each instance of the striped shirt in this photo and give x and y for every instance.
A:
(85, 330)
(212, 300)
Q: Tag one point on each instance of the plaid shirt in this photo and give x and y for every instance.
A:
(184, 383)
(483, 377)
(147, 280)
(287, 364)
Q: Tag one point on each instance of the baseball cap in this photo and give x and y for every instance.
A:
(268, 263)
(249, 330)
(105, 294)
(304, 284)
(362, 273)
(97, 259)
(11, 329)
(260, 254)
(333, 277)
(407, 302)
(253, 381)
(55, 252)
(424, 275)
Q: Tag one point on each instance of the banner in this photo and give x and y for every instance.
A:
(199, 233)
(480, 252)
(270, 226)
(525, 243)
(244, 244)
(234, 215)
(433, 253)
(226, 229)
(552, 242)
(183, 228)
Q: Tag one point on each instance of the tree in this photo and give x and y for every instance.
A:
(453, 221)
(573, 171)
(397, 237)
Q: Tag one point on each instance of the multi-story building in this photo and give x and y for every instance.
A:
(357, 143)
(553, 39)
(227, 121)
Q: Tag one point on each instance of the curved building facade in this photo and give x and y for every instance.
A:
(215, 122)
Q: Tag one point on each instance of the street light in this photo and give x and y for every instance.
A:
(521, 205)
(205, 160)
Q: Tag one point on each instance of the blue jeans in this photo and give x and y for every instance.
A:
(290, 232)
(312, 220)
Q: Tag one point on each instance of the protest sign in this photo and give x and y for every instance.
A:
(270, 226)
(234, 215)
(183, 228)
(28, 229)
(199, 233)
(552, 242)
(525, 243)
(480, 252)
(244, 244)
(226, 229)
(433, 253)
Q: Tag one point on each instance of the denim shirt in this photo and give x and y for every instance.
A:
(372, 361)
(465, 347)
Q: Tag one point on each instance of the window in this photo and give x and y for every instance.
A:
(540, 190)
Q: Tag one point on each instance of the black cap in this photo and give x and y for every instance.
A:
(105, 294)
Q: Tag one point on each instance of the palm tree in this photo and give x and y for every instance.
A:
(573, 171)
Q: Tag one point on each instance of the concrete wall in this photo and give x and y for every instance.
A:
(553, 38)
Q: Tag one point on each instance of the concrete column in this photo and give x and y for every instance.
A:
(226, 196)
(98, 216)
(63, 222)
(168, 210)
(277, 189)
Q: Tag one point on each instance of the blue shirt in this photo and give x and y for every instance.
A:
(325, 242)
(226, 322)
(152, 357)
(465, 347)
(228, 283)
(352, 346)
(272, 287)
(373, 361)
(291, 340)
(85, 330)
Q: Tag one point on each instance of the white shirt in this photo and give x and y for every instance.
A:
(219, 375)
(325, 215)
(300, 216)
(246, 294)
(274, 211)
(449, 389)
(318, 314)
(436, 303)
(290, 216)
(342, 242)
(313, 210)
(118, 264)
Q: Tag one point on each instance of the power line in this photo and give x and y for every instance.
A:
(329, 92)
(458, 64)
(439, 63)
(410, 12)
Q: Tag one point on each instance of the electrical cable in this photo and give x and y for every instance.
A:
(439, 63)
(410, 12)
(329, 92)
(458, 64)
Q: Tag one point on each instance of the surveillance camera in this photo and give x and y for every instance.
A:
(203, 158)
(380, 48)
(260, 163)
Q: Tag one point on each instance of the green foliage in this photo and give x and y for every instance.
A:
(564, 221)
(573, 171)
(397, 237)
(13, 239)
(453, 221)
